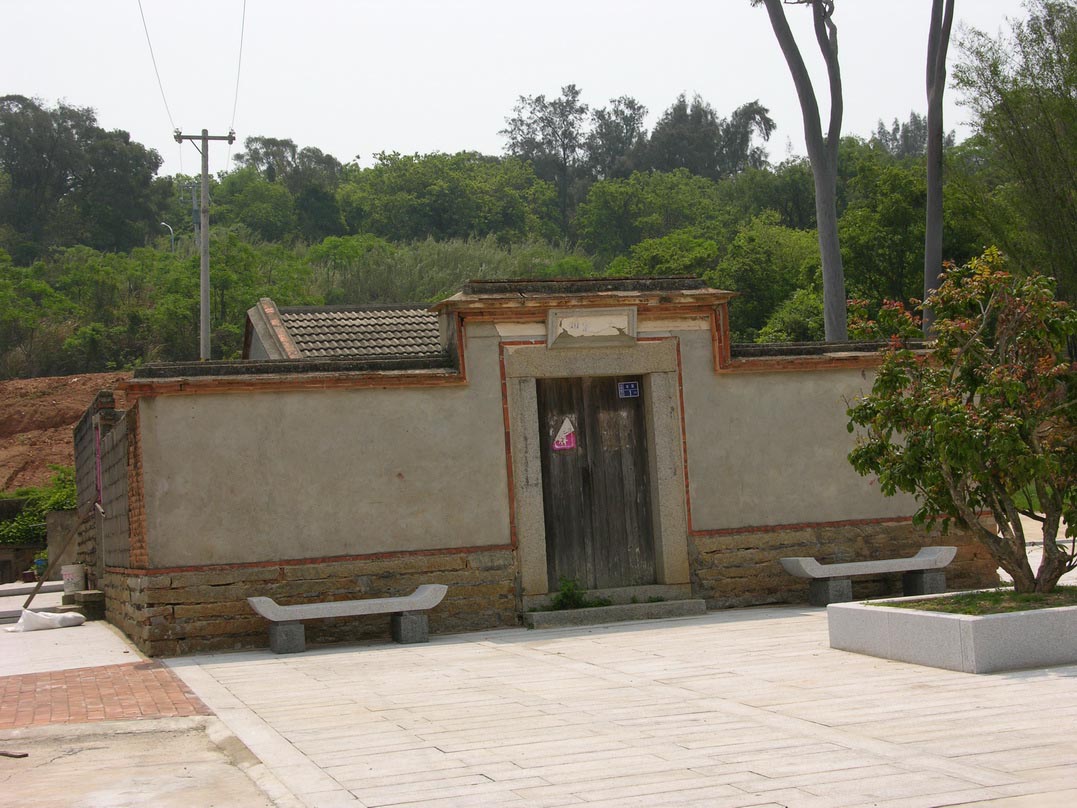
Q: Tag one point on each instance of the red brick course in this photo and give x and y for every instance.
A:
(108, 693)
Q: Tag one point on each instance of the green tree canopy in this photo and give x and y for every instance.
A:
(694, 137)
(1022, 91)
(447, 196)
(68, 181)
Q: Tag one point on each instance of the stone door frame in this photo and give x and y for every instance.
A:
(655, 360)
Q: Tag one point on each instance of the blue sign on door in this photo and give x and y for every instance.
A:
(627, 389)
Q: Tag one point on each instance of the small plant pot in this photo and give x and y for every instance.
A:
(28, 577)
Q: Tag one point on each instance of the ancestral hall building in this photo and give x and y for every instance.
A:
(510, 436)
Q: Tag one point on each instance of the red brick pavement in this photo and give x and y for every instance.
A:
(107, 693)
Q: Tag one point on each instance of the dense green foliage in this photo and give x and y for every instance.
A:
(29, 526)
(986, 420)
(1019, 172)
(89, 280)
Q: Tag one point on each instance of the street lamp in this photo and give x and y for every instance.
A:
(171, 233)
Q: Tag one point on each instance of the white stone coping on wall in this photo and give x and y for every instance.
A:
(969, 643)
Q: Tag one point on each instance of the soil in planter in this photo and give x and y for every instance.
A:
(995, 601)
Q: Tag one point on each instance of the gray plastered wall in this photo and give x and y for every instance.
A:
(771, 448)
(249, 477)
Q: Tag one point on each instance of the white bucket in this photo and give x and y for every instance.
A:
(74, 576)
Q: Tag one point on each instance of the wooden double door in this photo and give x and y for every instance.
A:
(595, 482)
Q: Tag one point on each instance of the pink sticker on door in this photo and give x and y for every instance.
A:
(565, 438)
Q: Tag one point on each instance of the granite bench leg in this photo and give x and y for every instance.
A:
(830, 590)
(409, 627)
(923, 582)
(287, 638)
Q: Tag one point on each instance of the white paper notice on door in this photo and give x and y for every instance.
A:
(566, 437)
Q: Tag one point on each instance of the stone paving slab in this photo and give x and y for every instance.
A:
(89, 645)
(97, 734)
(164, 763)
(740, 708)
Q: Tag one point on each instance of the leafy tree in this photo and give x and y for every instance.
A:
(68, 181)
(40, 154)
(345, 264)
(117, 199)
(822, 151)
(34, 321)
(28, 527)
(551, 136)
(694, 137)
(766, 263)
(906, 139)
(619, 213)
(310, 176)
(317, 213)
(367, 269)
(617, 138)
(903, 139)
(681, 252)
(738, 152)
(447, 196)
(281, 160)
(787, 189)
(1021, 91)
(987, 421)
(882, 230)
(313, 168)
(798, 319)
(271, 157)
(266, 208)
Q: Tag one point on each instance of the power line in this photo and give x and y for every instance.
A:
(160, 84)
(239, 63)
(155, 70)
(239, 66)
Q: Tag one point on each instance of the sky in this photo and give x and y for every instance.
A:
(413, 76)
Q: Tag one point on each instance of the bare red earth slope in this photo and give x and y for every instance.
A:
(37, 417)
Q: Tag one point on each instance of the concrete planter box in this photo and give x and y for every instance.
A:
(957, 642)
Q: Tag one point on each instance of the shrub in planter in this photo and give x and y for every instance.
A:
(985, 420)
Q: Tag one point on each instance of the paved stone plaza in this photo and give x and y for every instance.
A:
(747, 707)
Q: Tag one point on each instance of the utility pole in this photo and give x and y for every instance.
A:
(193, 188)
(205, 137)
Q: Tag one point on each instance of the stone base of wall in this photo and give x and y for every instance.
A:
(166, 614)
(742, 569)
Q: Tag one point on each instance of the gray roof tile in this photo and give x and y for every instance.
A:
(355, 332)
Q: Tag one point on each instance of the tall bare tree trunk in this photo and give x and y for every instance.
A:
(938, 42)
(822, 151)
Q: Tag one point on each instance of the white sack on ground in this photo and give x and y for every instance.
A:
(38, 621)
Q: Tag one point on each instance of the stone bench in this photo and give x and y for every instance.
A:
(408, 621)
(830, 583)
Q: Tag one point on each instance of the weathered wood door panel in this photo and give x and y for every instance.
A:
(595, 483)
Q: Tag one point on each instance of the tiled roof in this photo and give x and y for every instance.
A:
(340, 332)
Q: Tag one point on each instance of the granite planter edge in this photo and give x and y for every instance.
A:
(969, 643)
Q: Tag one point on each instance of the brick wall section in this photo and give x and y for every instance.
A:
(89, 532)
(115, 546)
(188, 612)
(742, 569)
(136, 501)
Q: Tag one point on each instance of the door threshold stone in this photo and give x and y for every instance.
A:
(599, 615)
